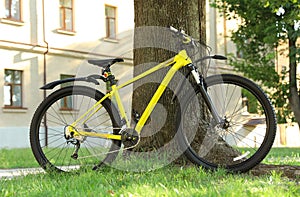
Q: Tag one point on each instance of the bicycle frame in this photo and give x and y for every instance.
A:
(215, 101)
(177, 62)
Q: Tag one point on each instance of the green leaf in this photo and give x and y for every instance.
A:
(267, 4)
(257, 37)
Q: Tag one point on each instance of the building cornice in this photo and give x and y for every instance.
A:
(41, 49)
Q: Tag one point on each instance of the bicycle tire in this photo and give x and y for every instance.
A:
(62, 108)
(248, 135)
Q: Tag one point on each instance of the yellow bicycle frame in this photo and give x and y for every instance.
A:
(177, 62)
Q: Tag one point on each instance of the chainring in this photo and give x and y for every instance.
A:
(130, 138)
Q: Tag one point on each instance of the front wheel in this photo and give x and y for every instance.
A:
(244, 137)
(50, 142)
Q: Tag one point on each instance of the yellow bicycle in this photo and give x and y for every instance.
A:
(224, 121)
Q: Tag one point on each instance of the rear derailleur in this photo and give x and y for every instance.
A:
(75, 140)
(76, 143)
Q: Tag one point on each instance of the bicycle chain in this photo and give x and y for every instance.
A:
(94, 155)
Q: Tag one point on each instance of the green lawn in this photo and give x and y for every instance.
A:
(167, 181)
(17, 158)
(288, 156)
(23, 158)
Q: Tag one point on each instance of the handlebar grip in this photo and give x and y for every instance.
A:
(173, 29)
(219, 57)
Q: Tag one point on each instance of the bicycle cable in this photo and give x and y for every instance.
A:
(122, 149)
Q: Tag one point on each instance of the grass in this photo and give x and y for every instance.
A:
(17, 158)
(284, 156)
(23, 158)
(167, 181)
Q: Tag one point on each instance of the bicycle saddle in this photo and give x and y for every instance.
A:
(106, 62)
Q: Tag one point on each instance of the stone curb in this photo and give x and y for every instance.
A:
(10, 173)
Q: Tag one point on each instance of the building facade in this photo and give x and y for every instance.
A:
(43, 41)
(46, 40)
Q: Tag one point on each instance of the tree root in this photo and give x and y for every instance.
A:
(291, 172)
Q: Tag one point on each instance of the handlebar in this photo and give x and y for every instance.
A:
(186, 38)
(173, 29)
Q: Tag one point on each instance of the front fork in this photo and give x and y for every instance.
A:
(199, 78)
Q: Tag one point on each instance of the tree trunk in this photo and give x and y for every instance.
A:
(294, 97)
(154, 45)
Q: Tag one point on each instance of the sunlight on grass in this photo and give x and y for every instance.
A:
(283, 156)
(23, 158)
(17, 158)
(167, 181)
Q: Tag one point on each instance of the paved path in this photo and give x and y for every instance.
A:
(10, 173)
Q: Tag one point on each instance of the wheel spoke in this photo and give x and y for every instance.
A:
(247, 131)
(61, 109)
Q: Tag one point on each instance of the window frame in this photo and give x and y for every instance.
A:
(62, 18)
(107, 24)
(10, 17)
(12, 85)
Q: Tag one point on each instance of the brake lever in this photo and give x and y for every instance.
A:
(216, 57)
(219, 57)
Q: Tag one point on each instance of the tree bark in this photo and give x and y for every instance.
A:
(189, 16)
(291, 172)
(294, 97)
(160, 128)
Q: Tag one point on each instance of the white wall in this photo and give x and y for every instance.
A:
(22, 47)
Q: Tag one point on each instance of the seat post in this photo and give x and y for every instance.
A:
(109, 76)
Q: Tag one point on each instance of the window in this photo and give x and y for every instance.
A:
(13, 88)
(110, 14)
(67, 102)
(13, 9)
(66, 15)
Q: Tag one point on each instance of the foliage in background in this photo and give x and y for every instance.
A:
(264, 26)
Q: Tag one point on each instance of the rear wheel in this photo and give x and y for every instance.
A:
(51, 147)
(246, 134)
